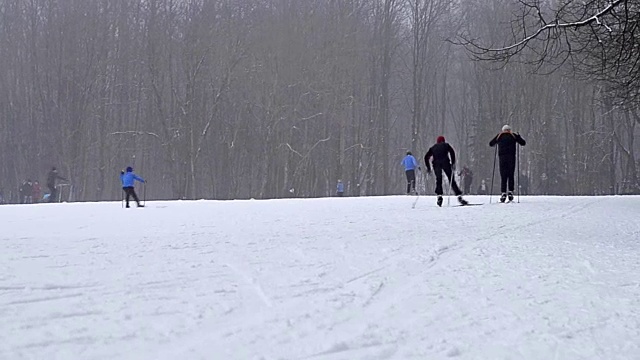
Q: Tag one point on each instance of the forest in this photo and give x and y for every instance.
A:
(234, 99)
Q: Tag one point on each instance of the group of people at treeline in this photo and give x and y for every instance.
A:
(441, 158)
(30, 192)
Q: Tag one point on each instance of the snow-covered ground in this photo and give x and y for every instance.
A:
(338, 278)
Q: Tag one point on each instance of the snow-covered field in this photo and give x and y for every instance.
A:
(320, 279)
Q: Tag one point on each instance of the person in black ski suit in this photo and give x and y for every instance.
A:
(25, 191)
(51, 184)
(507, 142)
(441, 152)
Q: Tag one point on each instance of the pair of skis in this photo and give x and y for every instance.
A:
(413, 206)
(468, 204)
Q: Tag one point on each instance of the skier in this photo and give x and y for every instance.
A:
(51, 184)
(340, 188)
(410, 164)
(507, 142)
(467, 179)
(128, 179)
(524, 184)
(25, 192)
(444, 159)
(21, 192)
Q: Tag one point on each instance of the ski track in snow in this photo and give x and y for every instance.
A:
(325, 279)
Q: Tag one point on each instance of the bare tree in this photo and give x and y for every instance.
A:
(270, 98)
(596, 39)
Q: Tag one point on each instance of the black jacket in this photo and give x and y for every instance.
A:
(26, 188)
(441, 153)
(51, 178)
(507, 144)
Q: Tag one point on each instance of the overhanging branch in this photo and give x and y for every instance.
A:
(557, 25)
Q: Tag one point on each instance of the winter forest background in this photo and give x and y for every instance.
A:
(236, 99)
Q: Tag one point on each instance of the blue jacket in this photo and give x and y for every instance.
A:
(409, 163)
(340, 187)
(129, 178)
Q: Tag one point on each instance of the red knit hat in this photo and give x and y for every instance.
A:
(440, 139)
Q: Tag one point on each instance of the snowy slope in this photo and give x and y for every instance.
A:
(347, 278)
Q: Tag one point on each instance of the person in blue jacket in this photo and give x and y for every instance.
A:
(128, 179)
(410, 164)
(340, 188)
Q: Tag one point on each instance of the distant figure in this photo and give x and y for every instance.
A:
(410, 164)
(444, 159)
(340, 188)
(35, 193)
(21, 192)
(51, 184)
(482, 189)
(524, 184)
(128, 179)
(544, 184)
(1, 197)
(467, 179)
(507, 142)
(25, 192)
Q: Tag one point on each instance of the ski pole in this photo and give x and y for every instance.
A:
(417, 191)
(493, 173)
(449, 191)
(144, 190)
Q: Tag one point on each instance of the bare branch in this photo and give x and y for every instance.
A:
(134, 133)
(558, 25)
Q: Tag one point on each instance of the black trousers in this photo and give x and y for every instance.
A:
(130, 192)
(507, 171)
(411, 180)
(53, 193)
(437, 169)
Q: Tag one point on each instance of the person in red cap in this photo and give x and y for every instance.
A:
(444, 159)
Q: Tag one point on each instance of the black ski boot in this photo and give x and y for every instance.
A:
(510, 195)
(462, 201)
(503, 197)
(439, 200)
